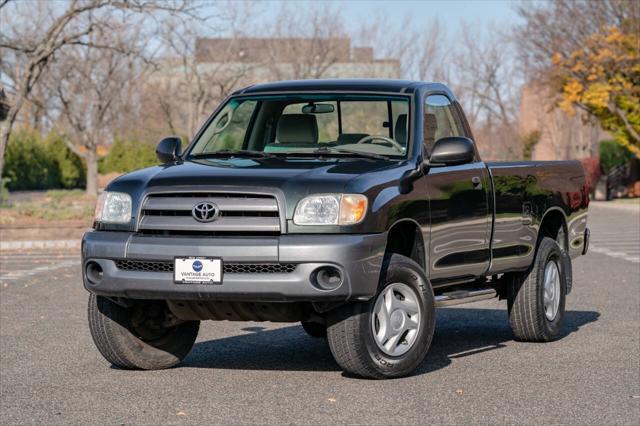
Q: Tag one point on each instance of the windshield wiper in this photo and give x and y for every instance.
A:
(233, 153)
(334, 150)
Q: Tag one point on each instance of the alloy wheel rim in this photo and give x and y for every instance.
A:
(551, 290)
(395, 320)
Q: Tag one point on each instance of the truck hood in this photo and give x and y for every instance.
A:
(296, 178)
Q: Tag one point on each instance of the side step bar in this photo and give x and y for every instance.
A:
(459, 297)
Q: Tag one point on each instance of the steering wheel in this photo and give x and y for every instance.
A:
(394, 144)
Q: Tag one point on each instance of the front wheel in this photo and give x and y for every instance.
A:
(389, 335)
(143, 336)
(536, 300)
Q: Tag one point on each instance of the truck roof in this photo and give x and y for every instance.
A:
(359, 85)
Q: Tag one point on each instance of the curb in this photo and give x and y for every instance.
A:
(40, 244)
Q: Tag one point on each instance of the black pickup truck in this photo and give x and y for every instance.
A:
(355, 207)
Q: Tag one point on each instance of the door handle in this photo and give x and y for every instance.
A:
(477, 183)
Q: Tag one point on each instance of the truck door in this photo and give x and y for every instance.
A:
(459, 201)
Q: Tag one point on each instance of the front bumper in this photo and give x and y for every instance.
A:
(358, 258)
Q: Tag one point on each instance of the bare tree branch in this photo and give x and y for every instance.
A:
(33, 52)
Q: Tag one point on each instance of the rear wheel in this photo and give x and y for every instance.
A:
(537, 299)
(389, 335)
(144, 336)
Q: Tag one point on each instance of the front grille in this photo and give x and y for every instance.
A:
(239, 214)
(141, 265)
(259, 268)
(229, 268)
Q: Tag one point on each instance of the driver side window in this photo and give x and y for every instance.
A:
(370, 118)
(440, 120)
(364, 117)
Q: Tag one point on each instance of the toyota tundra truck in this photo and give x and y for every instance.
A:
(355, 207)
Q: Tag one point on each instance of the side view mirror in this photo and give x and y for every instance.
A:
(452, 151)
(169, 149)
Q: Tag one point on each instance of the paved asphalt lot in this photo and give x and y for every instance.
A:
(242, 373)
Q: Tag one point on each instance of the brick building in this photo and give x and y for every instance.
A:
(294, 58)
(561, 136)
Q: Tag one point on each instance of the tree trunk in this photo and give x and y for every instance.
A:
(5, 130)
(91, 159)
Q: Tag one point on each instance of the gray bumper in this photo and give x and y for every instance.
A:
(358, 257)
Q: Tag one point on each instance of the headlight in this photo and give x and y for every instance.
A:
(113, 207)
(331, 209)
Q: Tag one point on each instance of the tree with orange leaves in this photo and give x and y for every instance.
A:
(588, 53)
(603, 78)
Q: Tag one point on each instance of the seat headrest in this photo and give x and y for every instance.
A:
(297, 128)
(400, 129)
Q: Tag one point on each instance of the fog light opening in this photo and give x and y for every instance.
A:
(93, 271)
(327, 278)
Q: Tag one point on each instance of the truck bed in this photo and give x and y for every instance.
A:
(527, 191)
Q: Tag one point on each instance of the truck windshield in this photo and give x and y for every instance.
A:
(302, 125)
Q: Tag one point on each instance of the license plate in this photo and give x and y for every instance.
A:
(197, 270)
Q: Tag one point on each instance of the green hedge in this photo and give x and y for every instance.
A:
(612, 154)
(125, 156)
(33, 161)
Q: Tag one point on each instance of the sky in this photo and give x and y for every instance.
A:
(451, 12)
(452, 15)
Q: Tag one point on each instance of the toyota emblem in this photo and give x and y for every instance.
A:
(205, 212)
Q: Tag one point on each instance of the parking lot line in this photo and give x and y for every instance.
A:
(618, 254)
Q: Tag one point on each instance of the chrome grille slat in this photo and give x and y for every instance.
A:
(225, 203)
(239, 214)
(187, 223)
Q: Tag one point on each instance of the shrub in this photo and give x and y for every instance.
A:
(592, 172)
(529, 142)
(71, 169)
(28, 163)
(36, 162)
(612, 155)
(125, 156)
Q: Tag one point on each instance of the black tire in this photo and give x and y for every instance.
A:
(121, 343)
(314, 329)
(350, 332)
(526, 297)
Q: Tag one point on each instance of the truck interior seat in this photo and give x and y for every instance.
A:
(297, 129)
(400, 130)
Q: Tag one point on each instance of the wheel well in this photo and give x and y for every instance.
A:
(553, 226)
(405, 238)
